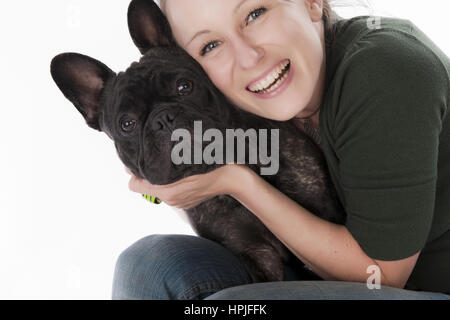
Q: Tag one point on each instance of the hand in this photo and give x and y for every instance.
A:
(191, 191)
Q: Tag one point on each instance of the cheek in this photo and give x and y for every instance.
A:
(301, 42)
(222, 76)
(286, 27)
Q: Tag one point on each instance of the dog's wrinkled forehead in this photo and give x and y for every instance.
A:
(152, 75)
(158, 71)
(174, 59)
(153, 82)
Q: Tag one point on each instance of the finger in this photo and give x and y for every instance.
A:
(188, 203)
(185, 182)
(132, 184)
(139, 185)
(186, 206)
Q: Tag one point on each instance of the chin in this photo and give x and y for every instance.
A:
(276, 109)
(279, 112)
(285, 109)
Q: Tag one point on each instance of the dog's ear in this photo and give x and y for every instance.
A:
(148, 26)
(81, 79)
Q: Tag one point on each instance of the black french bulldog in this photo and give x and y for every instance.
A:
(166, 90)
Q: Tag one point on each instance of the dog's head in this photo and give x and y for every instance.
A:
(141, 107)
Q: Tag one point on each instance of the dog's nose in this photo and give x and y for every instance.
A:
(163, 120)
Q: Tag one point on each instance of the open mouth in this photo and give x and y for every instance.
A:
(273, 80)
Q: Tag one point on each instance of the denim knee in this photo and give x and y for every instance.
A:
(321, 290)
(166, 267)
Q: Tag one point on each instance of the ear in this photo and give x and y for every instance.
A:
(148, 26)
(81, 79)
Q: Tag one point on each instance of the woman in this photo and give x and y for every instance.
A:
(374, 96)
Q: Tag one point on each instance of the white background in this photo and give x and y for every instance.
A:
(65, 209)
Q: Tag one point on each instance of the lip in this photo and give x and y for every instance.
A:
(265, 74)
(278, 90)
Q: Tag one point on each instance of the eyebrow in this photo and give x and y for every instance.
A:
(238, 6)
(208, 31)
(196, 35)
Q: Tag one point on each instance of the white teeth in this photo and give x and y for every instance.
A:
(276, 85)
(270, 79)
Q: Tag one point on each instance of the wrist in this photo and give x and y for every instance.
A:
(237, 179)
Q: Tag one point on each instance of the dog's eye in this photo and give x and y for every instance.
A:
(184, 87)
(128, 124)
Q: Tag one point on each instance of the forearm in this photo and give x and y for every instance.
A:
(327, 248)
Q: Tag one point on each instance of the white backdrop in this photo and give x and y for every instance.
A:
(65, 209)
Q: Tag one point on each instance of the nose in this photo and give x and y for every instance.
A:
(163, 120)
(247, 54)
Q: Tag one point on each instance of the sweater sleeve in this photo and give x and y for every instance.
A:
(386, 132)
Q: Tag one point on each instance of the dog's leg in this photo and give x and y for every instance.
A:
(263, 263)
(238, 230)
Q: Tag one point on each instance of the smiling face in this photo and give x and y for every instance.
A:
(266, 56)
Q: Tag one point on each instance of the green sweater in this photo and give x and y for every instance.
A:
(386, 136)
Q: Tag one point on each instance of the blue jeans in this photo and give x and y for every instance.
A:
(167, 267)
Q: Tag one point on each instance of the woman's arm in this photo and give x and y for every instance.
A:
(327, 248)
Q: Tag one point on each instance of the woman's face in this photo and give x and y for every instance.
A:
(266, 56)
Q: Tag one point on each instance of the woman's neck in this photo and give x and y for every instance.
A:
(312, 120)
(310, 126)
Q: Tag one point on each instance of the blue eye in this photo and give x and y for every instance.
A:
(209, 47)
(255, 14)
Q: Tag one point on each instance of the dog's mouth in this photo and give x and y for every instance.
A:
(165, 176)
